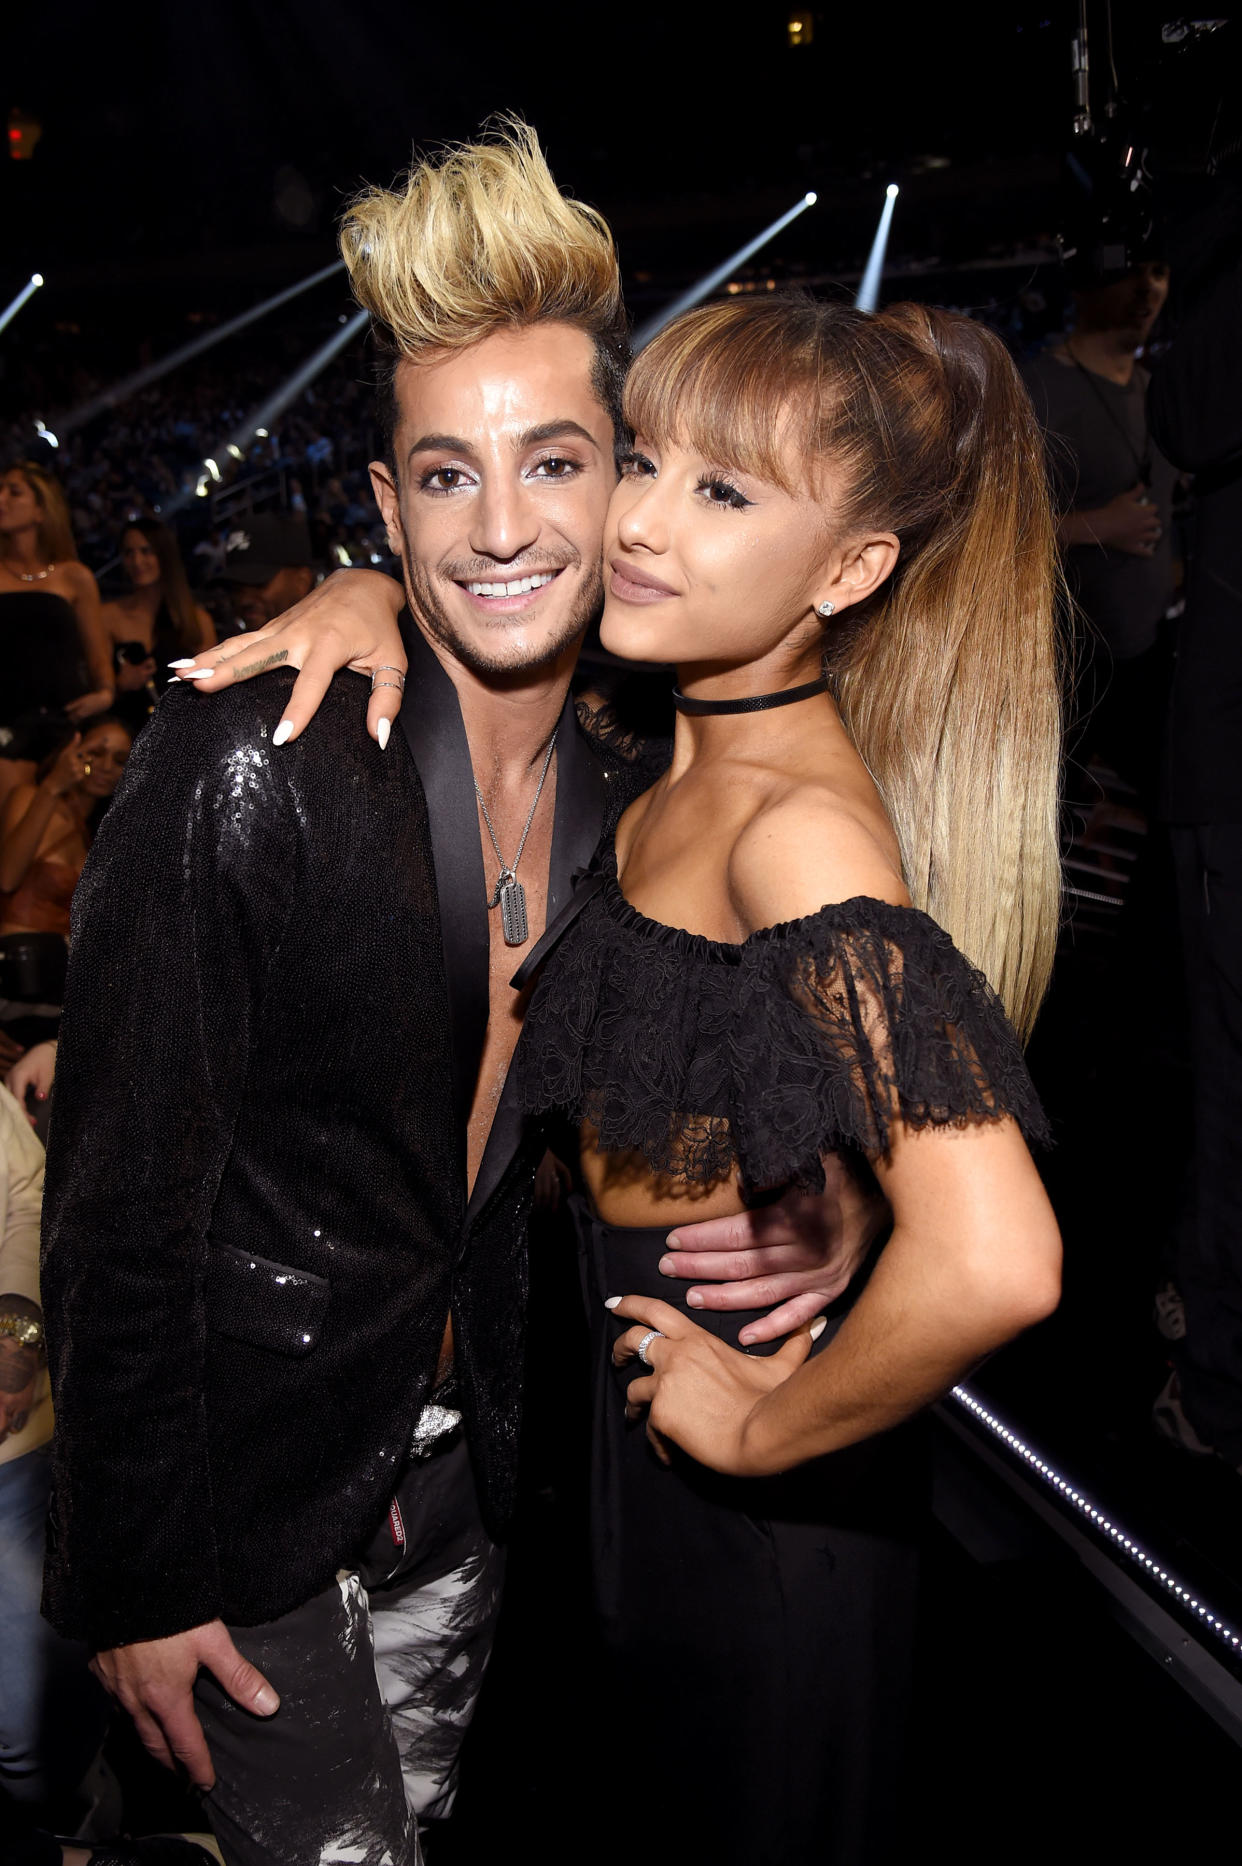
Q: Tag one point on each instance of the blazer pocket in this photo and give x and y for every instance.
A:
(265, 1304)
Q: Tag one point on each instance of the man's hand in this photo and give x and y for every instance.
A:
(154, 1680)
(31, 1069)
(1129, 523)
(795, 1257)
(350, 620)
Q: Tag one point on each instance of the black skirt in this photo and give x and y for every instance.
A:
(759, 1631)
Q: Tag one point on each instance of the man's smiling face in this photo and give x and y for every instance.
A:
(505, 468)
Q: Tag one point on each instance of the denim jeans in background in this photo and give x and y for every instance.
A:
(53, 1714)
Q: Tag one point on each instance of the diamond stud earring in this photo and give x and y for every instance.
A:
(825, 610)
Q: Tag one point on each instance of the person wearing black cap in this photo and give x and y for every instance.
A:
(268, 567)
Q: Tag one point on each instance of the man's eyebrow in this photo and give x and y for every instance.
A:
(556, 431)
(439, 444)
(533, 437)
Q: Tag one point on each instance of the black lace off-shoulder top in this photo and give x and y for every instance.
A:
(816, 1036)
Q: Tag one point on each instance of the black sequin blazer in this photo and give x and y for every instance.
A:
(255, 1218)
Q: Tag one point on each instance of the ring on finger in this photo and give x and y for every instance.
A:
(377, 684)
(652, 1334)
(399, 682)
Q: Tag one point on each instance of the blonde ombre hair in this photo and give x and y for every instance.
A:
(948, 677)
(481, 239)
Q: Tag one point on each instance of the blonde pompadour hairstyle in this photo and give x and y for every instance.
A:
(477, 239)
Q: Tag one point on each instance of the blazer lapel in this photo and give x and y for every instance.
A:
(431, 719)
(581, 792)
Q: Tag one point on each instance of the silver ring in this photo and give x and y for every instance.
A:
(377, 684)
(652, 1334)
(387, 669)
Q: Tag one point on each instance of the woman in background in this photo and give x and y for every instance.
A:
(155, 622)
(55, 662)
(46, 828)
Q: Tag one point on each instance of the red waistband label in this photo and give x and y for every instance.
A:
(396, 1525)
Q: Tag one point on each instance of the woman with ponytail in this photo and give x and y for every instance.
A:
(817, 934)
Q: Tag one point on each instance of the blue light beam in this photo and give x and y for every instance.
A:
(259, 422)
(15, 304)
(714, 280)
(143, 378)
(869, 291)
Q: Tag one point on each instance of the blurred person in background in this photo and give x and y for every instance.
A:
(1196, 414)
(52, 1713)
(1115, 492)
(155, 622)
(268, 566)
(46, 828)
(54, 656)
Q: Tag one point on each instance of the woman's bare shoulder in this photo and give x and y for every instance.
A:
(77, 580)
(809, 847)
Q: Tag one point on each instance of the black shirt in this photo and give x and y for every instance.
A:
(1099, 447)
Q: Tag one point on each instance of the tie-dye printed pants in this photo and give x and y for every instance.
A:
(378, 1678)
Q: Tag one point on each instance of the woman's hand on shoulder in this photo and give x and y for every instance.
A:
(349, 620)
(805, 850)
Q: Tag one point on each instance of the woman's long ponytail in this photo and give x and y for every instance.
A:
(950, 687)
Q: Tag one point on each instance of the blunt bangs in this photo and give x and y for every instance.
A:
(740, 383)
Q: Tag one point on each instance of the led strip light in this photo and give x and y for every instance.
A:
(1131, 1549)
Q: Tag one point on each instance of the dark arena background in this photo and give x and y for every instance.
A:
(179, 344)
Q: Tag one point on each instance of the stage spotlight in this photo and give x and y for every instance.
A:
(142, 378)
(259, 423)
(15, 304)
(45, 434)
(715, 279)
(869, 291)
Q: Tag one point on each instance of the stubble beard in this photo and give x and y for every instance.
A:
(426, 603)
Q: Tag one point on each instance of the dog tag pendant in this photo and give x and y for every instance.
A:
(513, 912)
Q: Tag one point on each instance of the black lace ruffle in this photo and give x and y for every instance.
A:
(810, 1038)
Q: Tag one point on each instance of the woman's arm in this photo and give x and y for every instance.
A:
(974, 1258)
(96, 644)
(28, 811)
(350, 620)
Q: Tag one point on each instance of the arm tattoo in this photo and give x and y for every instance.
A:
(261, 667)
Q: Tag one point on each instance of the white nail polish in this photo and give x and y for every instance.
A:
(611, 1302)
(282, 732)
(198, 673)
(381, 733)
(817, 1328)
(188, 662)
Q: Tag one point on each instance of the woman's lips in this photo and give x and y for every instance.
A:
(636, 586)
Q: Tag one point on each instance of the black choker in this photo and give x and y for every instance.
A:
(755, 703)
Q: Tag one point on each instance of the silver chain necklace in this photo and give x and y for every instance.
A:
(33, 576)
(510, 895)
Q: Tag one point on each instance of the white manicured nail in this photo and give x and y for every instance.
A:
(817, 1328)
(381, 733)
(188, 662)
(199, 673)
(612, 1302)
(282, 732)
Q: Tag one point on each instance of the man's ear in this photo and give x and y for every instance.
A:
(384, 486)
